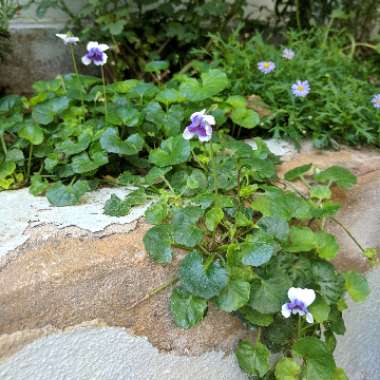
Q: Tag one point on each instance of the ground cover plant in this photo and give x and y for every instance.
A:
(335, 109)
(255, 247)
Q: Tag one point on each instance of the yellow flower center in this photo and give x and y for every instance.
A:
(378, 101)
(266, 65)
(300, 87)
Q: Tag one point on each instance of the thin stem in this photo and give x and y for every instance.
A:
(104, 94)
(29, 165)
(3, 145)
(213, 167)
(167, 183)
(299, 327)
(77, 74)
(348, 232)
(298, 14)
(159, 289)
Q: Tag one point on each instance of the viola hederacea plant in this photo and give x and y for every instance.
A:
(201, 126)
(300, 299)
(245, 241)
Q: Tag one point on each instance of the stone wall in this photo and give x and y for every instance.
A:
(69, 278)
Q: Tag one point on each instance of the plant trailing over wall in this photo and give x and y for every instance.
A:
(253, 248)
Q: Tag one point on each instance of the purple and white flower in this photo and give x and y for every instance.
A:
(266, 66)
(95, 54)
(300, 299)
(288, 53)
(301, 88)
(376, 101)
(201, 126)
(68, 39)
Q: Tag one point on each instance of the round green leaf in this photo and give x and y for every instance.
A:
(186, 309)
(204, 281)
(157, 242)
(245, 117)
(32, 133)
(233, 296)
(357, 286)
(213, 217)
(254, 360)
(287, 369)
(187, 235)
(173, 151)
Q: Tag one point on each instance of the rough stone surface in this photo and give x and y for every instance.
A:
(111, 354)
(21, 212)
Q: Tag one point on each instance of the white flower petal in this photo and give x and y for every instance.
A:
(209, 119)
(285, 311)
(307, 296)
(293, 293)
(204, 138)
(199, 113)
(92, 44)
(208, 129)
(62, 36)
(85, 60)
(187, 135)
(103, 47)
(309, 317)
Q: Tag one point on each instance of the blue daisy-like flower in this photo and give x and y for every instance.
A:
(301, 88)
(266, 66)
(376, 101)
(288, 54)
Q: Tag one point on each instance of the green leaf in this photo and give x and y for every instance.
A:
(254, 360)
(233, 296)
(237, 101)
(184, 215)
(7, 168)
(156, 175)
(357, 286)
(341, 176)
(45, 113)
(156, 213)
(275, 226)
(156, 66)
(70, 147)
(61, 195)
(267, 296)
(257, 254)
(82, 163)
(213, 217)
(320, 310)
(111, 142)
(326, 245)
(38, 185)
(302, 239)
(116, 27)
(32, 133)
(202, 280)
(320, 192)
(256, 318)
(173, 151)
(287, 369)
(340, 374)
(115, 206)
(169, 96)
(157, 242)
(297, 172)
(214, 81)
(245, 117)
(320, 363)
(187, 235)
(186, 309)
(285, 205)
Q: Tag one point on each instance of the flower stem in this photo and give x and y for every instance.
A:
(104, 94)
(77, 74)
(3, 145)
(29, 164)
(213, 167)
(348, 232)
(159, 289)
